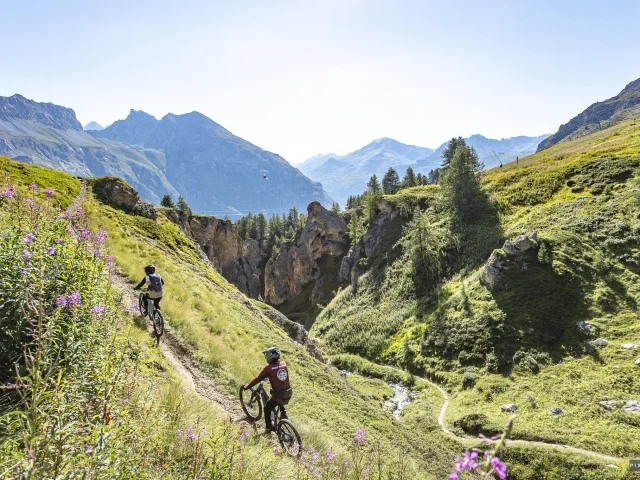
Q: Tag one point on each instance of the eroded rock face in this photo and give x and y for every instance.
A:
(238, 261)
(117, 193)
(306, 270)
(493, 275)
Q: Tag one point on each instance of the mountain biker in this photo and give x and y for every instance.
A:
(278, 374)
(155, 289)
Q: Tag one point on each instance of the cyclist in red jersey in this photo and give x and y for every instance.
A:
(278, 374)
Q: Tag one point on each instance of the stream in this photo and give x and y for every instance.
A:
(401, 397)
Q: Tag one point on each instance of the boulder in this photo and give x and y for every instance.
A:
(629, 346)
(524, 243)
(313, 349)
(510, 407)
(556, 411)
(589, 347)
(600, 342)
(609, 404)
(492, 276)
(145, 209)
(115, 192)
(637, 362)
(632, 406)
(509, 248)
(584, 327)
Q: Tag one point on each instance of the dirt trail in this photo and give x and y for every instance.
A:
(177, 355)
(181, 359)
(531, 443)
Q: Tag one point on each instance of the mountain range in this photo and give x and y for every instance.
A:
(345, 175)
(93, 126)
(600, 115)
(189, 155)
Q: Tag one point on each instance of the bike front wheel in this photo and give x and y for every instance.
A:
(158, 323)
(289, 438)
(251, 404)
(141, 304)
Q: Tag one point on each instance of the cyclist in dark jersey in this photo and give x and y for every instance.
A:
(278, 374)
(155, 283)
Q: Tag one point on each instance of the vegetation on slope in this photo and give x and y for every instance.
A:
(519, 345)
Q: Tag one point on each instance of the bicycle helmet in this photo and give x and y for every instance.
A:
(271, 354)
(149, 269)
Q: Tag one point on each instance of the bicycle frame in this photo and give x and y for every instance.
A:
(150, 305)
(264, 396)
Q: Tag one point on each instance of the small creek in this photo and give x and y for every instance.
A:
(401, 397)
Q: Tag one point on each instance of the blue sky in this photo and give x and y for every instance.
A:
(300, 78)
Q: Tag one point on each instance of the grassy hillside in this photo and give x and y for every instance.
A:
(521, 345)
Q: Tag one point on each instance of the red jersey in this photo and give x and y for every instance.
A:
(278, 375)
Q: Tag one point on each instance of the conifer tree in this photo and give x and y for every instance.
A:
(373, 185)
(391, 182)
(167, 201)
(409, 179)
(183, 206)
(335, 207)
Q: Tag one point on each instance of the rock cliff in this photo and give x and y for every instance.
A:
(306, 270)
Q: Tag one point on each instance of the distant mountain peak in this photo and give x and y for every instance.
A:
(95, 126)
(18, 107)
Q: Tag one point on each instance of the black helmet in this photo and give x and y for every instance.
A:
(149, 269)
(271, 354)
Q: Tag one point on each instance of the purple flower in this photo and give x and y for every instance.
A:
(88, 448)
(191, 435)
(98, 253)
(331, 456)
(29, 201)
(49, 193)
(33, 186)
(51, 250)
(359, 436)
(9, 193)
(499, 467)
(313, 454)
(67, 215)
(58, 241)
(22, 271)
(29, 237)
(61, 301)
(453, 476)
(180, 435)
(100, 237)
(27, 255)
(97, 309)
(110, 259)
(74, 299)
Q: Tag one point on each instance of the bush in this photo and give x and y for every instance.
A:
(469, 379)
(473, 423)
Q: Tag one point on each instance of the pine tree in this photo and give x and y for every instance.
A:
(391, 182)
(409, 179)
(335, 207)
(460, 187)
(434, 176)
(301, 221)
(356, 228)
(167, 201)
(450, 151)
(183, 206)
(419, 179)
(262, 227)
(373, 185)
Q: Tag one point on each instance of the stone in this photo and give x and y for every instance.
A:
(116, 193)
(637, 362)
(629, 346)
(509, 248)
(534, 236)
(556, 411)
(589, 347)
(144, 209)
(632, 406)
(616, 367)
(492, 276)
(313, 349)
(524, 243)
(583, 326)
(601, 342)
(343, 373)
(609, 404)
(509, 407)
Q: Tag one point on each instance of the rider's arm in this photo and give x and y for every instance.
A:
(263, 374)
(141, 283)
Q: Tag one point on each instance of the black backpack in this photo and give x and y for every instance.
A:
(155, 283)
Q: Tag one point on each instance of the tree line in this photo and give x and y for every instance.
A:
(272, 232)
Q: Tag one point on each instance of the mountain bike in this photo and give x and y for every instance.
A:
(157, 320)
(287, 434)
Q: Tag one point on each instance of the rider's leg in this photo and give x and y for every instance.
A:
(145, 302)
(283, 412)
(268, 412)
(156, 303)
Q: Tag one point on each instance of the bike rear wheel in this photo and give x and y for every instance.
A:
(289, 438)
(141, 304)
(251, 404)
(158, 323)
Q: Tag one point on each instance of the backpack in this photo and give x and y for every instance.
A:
(155, 285)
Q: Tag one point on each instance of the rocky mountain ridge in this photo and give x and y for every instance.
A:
(599, 115)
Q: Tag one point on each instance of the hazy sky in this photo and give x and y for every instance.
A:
(300, 78)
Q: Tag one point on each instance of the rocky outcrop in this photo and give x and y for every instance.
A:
(493, 276)
(295, 331)
(307, 269)
(238, 261)
(119, 194)
(370, 243)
